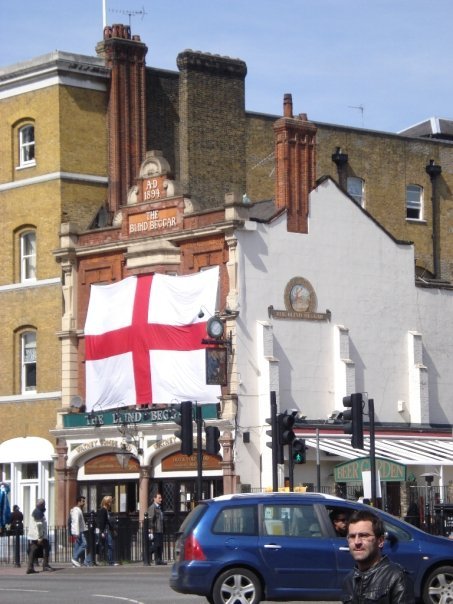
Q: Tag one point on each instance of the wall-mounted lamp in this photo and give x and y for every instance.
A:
(131, 436)
(339, 158)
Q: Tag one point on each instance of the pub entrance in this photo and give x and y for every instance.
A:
(179, 497)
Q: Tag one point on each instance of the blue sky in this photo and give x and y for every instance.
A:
(391, 57)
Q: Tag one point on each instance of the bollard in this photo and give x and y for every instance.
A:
(116, 541)
(17, 533)
(145, 538)
(91, 541)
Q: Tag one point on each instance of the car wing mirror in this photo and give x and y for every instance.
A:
(390, 537)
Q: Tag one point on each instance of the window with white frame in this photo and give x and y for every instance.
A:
(28, 256)
(28, 360)
(414, 202)
(27, 146)
(356, 189)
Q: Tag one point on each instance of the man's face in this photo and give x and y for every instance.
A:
(158, 499)
(81, 503)
(340, 525)
(365, 548)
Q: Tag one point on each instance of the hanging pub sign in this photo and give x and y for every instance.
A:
(216, 366)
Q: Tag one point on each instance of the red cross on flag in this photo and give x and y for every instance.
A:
(143, 340)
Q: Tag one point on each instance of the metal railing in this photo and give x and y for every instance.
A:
(130, 545)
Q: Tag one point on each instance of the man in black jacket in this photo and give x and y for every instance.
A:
(374, 577)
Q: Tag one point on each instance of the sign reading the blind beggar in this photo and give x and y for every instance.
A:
(153, 221)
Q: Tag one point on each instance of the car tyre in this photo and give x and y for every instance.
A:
(439, 586)
(239, 582)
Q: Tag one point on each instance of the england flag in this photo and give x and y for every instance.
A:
(143, 340)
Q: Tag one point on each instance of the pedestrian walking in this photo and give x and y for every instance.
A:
(156, 529)
(38, 545)
(375, 577)
(81, 555)
(17, 520)
(106, 529)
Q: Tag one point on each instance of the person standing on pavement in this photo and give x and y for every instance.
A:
(375, 577)
(106, 529)
(156, 528)
(79, 530)
(38, 538)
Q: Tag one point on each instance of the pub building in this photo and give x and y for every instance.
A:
(302, 310)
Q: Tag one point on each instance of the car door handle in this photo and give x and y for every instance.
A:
(272, 546)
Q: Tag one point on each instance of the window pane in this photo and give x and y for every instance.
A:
(27, 145)
(237, 520)
(414, 202)
(28, 361)
(28, 255)
(29, 471)
(355, 188)
(291, 521)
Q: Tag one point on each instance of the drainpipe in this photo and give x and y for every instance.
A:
(434, 171)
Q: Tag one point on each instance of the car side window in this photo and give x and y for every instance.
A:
(397, 531)
(237, 520)
(291, 521)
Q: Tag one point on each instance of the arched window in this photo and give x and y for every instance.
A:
(356, 189)
(28, 361)
(28, 256)
(27, 146)
(414, 202)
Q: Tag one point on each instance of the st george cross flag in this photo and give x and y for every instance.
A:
(143, 340)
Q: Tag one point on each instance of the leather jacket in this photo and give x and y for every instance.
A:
(384, 583)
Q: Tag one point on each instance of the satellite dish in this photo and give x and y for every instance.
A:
(76, 402)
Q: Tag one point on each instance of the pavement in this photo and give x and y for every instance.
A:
(11, 570)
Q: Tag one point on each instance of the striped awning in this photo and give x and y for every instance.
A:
(408, 451)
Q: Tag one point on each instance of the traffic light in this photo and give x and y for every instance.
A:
(299, 451)
(185, 433)
(212, 440)
(285, 427)
(354, 417)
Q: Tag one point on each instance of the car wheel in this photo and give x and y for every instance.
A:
(237, 586)
(439, 586)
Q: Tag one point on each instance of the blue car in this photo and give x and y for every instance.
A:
(282, 546)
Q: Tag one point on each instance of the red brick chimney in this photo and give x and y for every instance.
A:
(295, 156)
(126, 114)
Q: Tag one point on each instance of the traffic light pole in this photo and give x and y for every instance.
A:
(199, 422)
(291, 466)
(274, 440)
(372, 452)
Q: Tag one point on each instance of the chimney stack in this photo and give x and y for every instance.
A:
(295, 164)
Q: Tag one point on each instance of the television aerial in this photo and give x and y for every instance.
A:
(130, 13)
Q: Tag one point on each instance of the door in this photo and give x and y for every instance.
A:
(299, 559)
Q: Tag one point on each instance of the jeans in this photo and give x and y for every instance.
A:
(81, 547)
(106, 546)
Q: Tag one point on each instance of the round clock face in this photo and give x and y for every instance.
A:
(215, 328)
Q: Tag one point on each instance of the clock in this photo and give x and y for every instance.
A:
(215, 328)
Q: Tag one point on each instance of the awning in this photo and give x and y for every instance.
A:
(408, 451)
(26, 449)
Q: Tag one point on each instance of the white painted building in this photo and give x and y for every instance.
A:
(375, 331)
